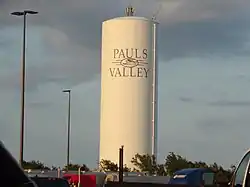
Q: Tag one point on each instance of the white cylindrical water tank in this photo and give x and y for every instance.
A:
(127, 80)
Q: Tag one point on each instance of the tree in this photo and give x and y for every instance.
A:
(84, 168)
(199, 164)
(107, 165)
(54, 168)
(34, 165)
(75, 167)
(161, 171)
(232, 168)
(145, 163)
(126, 169)
(174, 162)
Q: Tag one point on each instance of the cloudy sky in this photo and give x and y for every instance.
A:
(204, 78)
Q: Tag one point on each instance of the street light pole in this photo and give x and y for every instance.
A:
(68, 138)
(24, 14)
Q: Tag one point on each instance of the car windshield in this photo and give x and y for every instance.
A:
(50, 183)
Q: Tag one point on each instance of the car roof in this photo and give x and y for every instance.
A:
(37, 178)
(38, 175)
(191, 170)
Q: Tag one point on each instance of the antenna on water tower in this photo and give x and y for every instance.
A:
(157, 12)
(130, 11)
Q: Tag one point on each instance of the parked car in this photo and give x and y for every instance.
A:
(195, 177)
(241, 176)
(11, 172)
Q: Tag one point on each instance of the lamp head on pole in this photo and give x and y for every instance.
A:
(66, 91)
(17, 13)
(22, 13)
(30, 12)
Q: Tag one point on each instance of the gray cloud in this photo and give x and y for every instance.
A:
(186, 99)
(203, 38)
(225, 103)
(83, 25)
(212, 123)
(72, 32)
